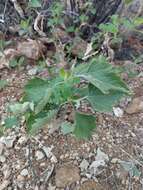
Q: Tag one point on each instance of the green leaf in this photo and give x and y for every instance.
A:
(35, 90)
(34, 123)
(84, 125)
(128, 24)
(24, 24)
(64, 74)
(109, 27)
(35, 3)
(103, 102)
(138, 21)
(11, 122)
(128, 1)
(102, 75)
(67, 128)
(3, 83)
(17, 62)
(13, 63)
(19, 108)
(40, 106)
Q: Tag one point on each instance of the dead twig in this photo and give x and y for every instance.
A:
(30, 161)
(39, 21)
(5, 7)
(135, 160)
(106, 47)
(18, 8)
(47, 174)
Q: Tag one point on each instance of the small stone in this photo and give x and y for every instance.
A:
(101, 155)
(89, 175)
(39, 155)
(33, 71)
(95, 167)
(54, 159)
(66, 175)
(114, 160)
(89, 185)
(47, 151)
(20, 178)
(118, 112)
(24, 172)
(100, 161)
(27, 152)
(8, 141)
(135, 106)
(2, 159)
(22, 140)
(51, 187)
(84, 165)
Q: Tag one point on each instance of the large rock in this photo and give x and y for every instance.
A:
(90, 185)
(135, 106)
(66, 175)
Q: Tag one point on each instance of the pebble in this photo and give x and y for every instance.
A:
(8, 141)
(84, 165)
(100, 161)
(33, 71)
(50, 187)
(20, 178)
(66, 175)
(39, 155)
(118, 112)
(47, 151)
(114, 160)
(2, 159)
(24, 172)
(54, 159)
(22, 140)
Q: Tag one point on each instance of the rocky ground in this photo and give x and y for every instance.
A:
(111, 159)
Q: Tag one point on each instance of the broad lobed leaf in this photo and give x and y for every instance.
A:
(84, 125)
(102, 75)
(103, 102)
(36, 122)
(11, 122)
(35, 90)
